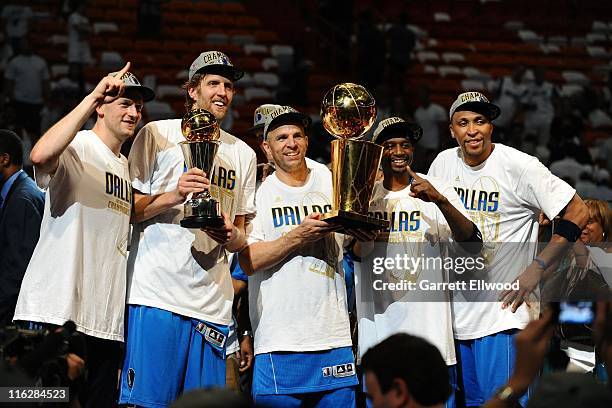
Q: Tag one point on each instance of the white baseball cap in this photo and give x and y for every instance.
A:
(260, 115)
(215, 62)
(475, 102)
(131, 82)
(285, 114)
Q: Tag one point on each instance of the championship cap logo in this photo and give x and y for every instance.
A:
(215, 62)
(475, 102)
(285, 113)
(396, 125)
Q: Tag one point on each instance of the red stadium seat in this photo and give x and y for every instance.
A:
(233, 8)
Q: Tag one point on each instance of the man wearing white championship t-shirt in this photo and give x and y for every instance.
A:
(425, 215)
(504, 191)
(77, 271)
(239, 278)
(179, 286)
(297, 294)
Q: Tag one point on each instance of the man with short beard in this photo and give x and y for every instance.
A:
(179, 286)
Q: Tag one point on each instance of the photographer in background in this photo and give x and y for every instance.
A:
(47, 358)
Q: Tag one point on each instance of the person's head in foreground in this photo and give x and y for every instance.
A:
(405, 371)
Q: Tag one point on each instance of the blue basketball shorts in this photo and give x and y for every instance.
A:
(167, 354)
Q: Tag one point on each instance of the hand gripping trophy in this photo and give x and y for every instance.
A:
(348, 111)
(201, 130)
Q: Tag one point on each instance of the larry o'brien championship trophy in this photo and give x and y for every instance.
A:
(201, 129)
(348, 111)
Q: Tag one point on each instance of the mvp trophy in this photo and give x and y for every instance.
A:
(201, 130)
(347, 112)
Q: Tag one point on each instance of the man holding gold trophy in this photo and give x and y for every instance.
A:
(193, 186)
(297, 293)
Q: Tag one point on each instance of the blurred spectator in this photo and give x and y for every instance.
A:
(605, 153)
(6, 52)
(432, 118)
(15, 19)
(509, 91)
(585, 186)
(26, 84)
(567, 122)
(568, 166)
(21, 209)
(604, 190)
(401, 42)
(370, 58)
(79, 53)
(597, 116)
(539, 109)
(149, 18)
(61, 102)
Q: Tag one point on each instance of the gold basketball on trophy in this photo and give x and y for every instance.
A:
(348, 111)
(199, 125)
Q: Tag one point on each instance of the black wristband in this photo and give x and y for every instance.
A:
(568, 230)
(473, 244)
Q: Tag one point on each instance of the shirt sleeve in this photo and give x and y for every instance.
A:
(255, 231)
(70, 166)
(433, 168)
(247, 203)
(142, 160)
(539, 188)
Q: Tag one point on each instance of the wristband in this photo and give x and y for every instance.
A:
(541, 263)
(568, 230)
(473, 244)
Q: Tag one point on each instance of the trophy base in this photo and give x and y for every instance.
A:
(201, 222)
(350, 220)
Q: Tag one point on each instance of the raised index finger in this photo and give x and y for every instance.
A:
(124, 70)
(412, 173)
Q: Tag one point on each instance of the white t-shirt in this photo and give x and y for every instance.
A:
(510, 95)
(300, 304)
(174, 268)
(78, 47)
(77, 271)
(542, 97)
(418, 230)
(503, 196)
(429, 119)
(29, 72)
